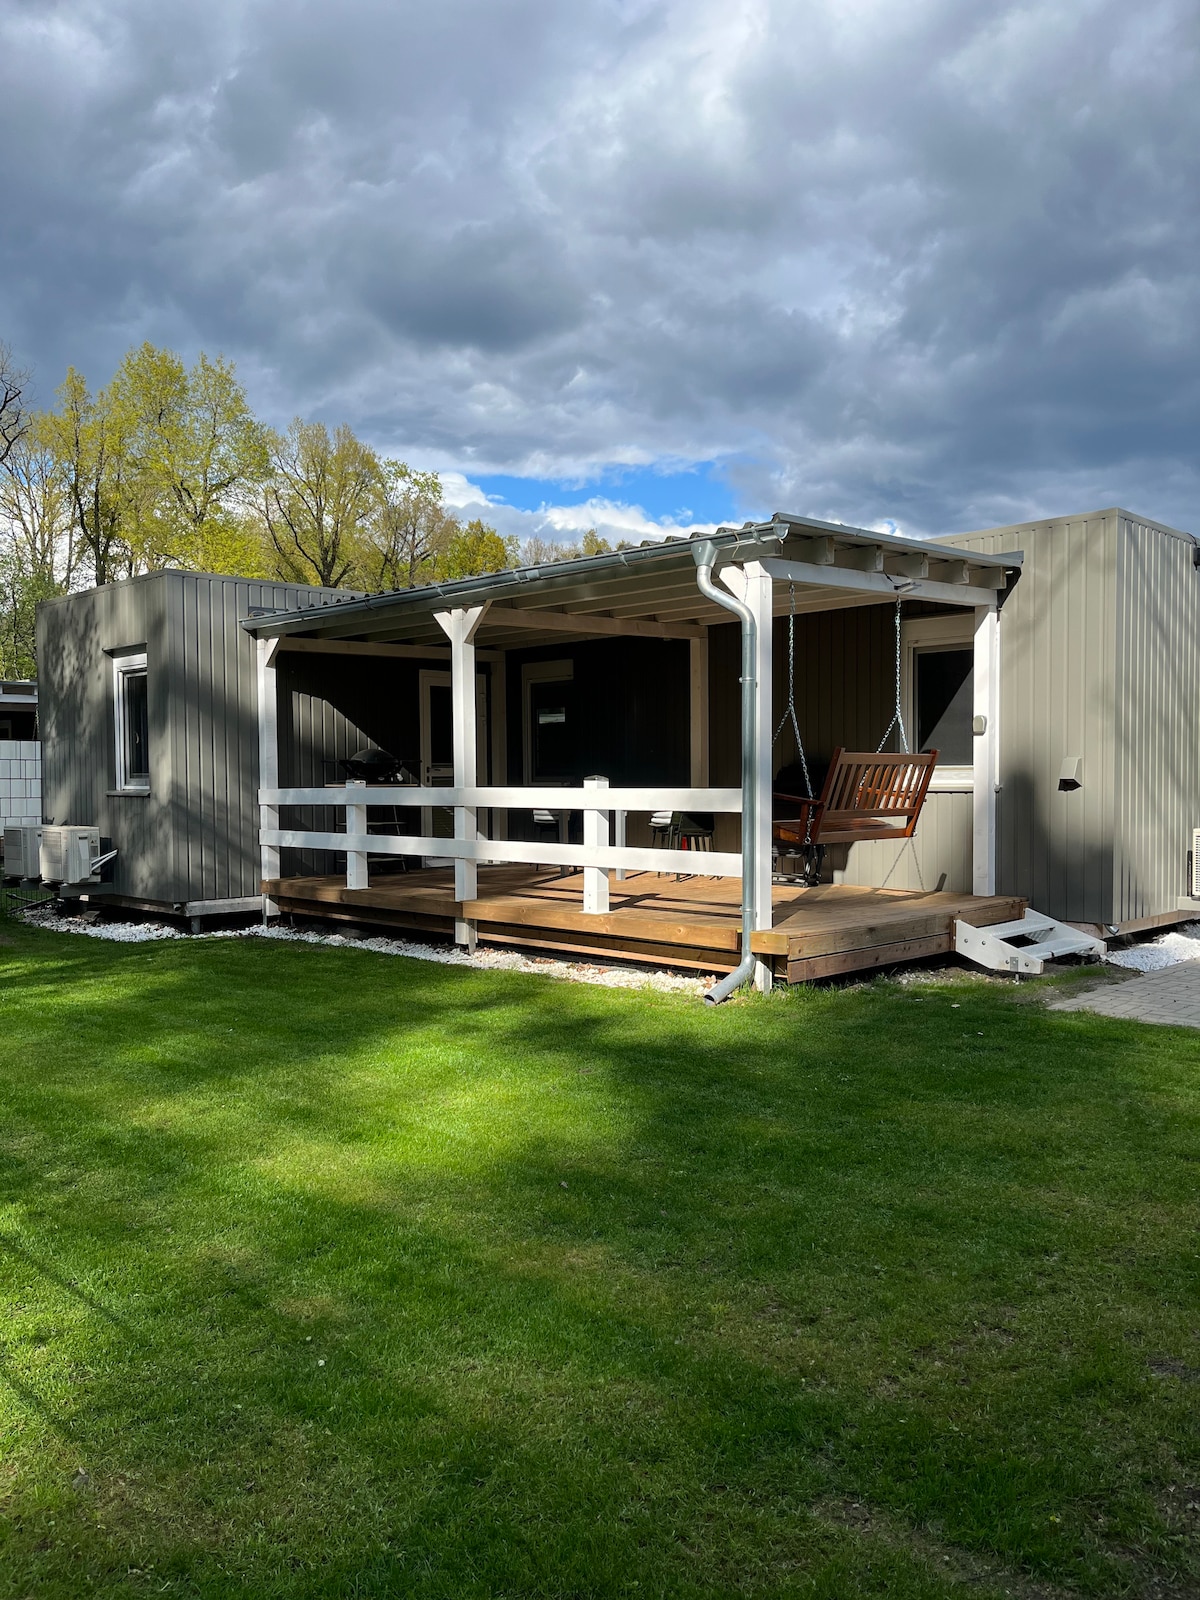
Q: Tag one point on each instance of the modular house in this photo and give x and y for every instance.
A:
(583, 756)
(150, 732)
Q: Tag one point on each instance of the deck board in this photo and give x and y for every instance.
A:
(693, 922)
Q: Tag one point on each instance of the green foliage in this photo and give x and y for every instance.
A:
(168, 467)
(198, 451)
(409, 531)
(475, 550)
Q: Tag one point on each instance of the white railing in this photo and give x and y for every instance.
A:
(596, 855)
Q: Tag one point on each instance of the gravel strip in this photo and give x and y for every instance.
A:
(483, 959)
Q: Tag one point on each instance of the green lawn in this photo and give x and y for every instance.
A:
(331, 1274)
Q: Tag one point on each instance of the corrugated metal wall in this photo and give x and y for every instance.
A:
(1158, 718)
(1058, 676)
(194, 836)
(938, 856)
(75, 689)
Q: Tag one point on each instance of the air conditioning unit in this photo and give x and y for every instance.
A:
(67, 855)
(1194, 886)
(22, 845)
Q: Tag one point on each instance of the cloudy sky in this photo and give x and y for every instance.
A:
(638, 263)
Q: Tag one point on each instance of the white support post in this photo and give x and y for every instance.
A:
(986, 764)
(595, 832)
(460, 626)
(499, 731)
(760, 596)
(356, 822)
(268, 761)
(618, 822)
(698, 664)
(753, 584)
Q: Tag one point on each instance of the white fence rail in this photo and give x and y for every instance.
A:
(507, 798)
(596, 856)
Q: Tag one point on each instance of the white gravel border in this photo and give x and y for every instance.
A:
(1181, 944)
(92, 925)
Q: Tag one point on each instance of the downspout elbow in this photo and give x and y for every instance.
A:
(705, 555)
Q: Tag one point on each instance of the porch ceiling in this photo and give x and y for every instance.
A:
(651, 590)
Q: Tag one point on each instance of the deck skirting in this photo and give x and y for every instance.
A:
(692, 922)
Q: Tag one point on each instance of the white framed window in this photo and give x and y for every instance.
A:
(938, 694)
(131, 723)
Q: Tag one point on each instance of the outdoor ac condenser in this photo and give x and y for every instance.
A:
(22, 846)
(67, 855)
(1194, 886)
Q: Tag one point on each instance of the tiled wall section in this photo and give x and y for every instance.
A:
(20, 780)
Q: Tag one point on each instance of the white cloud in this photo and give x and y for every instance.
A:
(561, 524)
(932, 262)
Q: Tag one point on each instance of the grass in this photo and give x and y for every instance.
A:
(331, 1274)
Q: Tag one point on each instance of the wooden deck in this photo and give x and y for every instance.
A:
(818, 933)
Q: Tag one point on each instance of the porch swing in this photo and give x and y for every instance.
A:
(866, 796)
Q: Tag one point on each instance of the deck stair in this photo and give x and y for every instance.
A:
(1025, 945)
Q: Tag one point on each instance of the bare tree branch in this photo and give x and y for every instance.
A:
(14, 412)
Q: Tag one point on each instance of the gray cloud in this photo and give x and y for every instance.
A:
(934, 262)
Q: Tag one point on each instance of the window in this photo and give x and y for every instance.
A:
(131, 722)
(939, 691)
(550, 724)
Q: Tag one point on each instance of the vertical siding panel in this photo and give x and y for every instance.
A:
(1158, 765)
(1058, 698)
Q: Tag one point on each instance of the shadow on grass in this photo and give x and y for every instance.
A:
(342, 1274)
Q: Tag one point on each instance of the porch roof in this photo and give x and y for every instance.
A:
(651, 590)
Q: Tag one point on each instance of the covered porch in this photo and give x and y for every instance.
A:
(600, 693)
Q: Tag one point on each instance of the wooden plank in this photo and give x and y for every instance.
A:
(892, 927)
(662, 930)
(880, 955)
(582, 624)
(625, 949)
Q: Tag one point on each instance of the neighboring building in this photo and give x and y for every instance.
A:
(1061, 693)
(20, 753)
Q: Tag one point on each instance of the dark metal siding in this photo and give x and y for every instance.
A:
(194, 836)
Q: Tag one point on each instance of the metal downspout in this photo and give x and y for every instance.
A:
(705, 555)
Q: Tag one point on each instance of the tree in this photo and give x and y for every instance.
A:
(409, 529)
(198, 451)
(14, 417)
(476, 549)
(92, 440)
(36, 543)
(319, 501)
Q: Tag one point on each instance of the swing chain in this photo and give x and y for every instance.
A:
(790, 714)
(898, 715)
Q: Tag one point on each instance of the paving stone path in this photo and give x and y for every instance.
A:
(1172, 995)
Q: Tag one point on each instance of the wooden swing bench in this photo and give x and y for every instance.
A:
(865, 797)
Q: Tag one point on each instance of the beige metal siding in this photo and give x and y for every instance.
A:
(1158, 736)
(1058, 678)
(938, 856)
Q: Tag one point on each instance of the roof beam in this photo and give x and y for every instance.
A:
(838, 577)
(580, 622)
